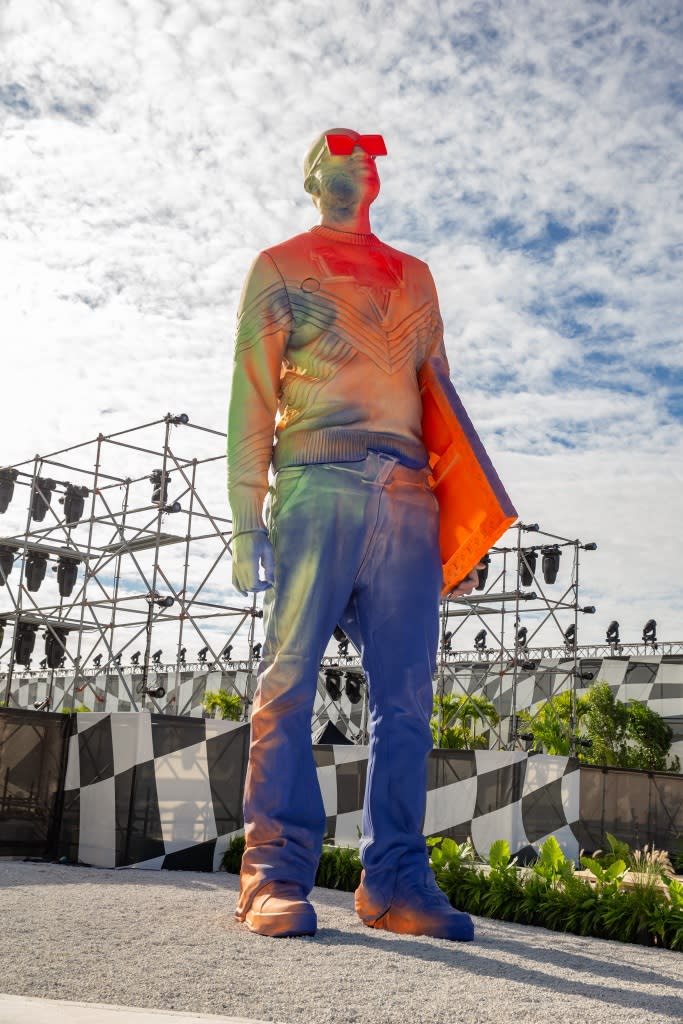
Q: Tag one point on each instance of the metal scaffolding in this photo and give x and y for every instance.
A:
(137, 555)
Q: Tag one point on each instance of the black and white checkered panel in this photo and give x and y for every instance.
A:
(484, 795)
(152, 791)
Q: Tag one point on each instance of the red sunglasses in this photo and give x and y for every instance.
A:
(344, 145)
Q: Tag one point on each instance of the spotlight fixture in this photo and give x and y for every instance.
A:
(201, 654)
(551, 562)
(24, 642)
(570, 636)
(135, 658)
(55, 645)
(520, 636)
(588, 610)
(483, 573)
(256, 651)
(7, 554)
(67, 574)
(650, 632)
(43, 663)
(117, 658)
(527, 565)
(591, 546)
(227, 652)
(174, 507)
(353, 687)
(181, 655)
(156, 692)
(182, 418)
(159, 481)
(612, 637)
(97, 660)
(74, 502)
(342, 642)
(446, 641)
(41, 498)
(36, 567)
(7, 480)
(480, 640)
(156, 657)
(333, 683)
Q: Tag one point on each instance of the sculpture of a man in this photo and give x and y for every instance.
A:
(333, 328)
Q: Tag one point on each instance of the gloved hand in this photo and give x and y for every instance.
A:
(251, 552)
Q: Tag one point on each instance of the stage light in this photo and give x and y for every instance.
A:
(24, 642)
(612, 636)
(182, 418)
(227, 652)
(446, 641)
(201, 654)
(480, 640)
(342, 642)
(551, 562)
(41, 498)
(97, 660)
(117, 658)
(7, 479)
(521, 636)
(354, 687)
(74, 503)
(527, 566)
(175, 507)
(156, 657)
(333, 683)
(570, 636)
(181, 655)
(588, 610)
(156, 693)
(55, 645)
(592, 546)
(159, 481)
(483, 573)
(67, 574)
(135, 658)
(7, 554)
(43, 663)
(529, 527)
(650, 632)
(586, 676)
(36, 567)
(256, 651)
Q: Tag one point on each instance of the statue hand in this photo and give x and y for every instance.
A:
(251, 552)
(466, 586)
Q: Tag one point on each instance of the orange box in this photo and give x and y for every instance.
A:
(475, 507)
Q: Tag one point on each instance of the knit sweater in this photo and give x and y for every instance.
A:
(332, 330)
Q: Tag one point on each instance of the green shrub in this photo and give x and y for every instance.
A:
(549, 895)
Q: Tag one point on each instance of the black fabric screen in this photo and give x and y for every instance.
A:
(32, 764)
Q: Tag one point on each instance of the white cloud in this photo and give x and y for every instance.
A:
(150, 149)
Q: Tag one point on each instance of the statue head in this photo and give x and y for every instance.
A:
(340, 177)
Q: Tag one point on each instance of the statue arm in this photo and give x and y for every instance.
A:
(264, 322)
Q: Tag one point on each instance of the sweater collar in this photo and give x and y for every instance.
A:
(350, 237)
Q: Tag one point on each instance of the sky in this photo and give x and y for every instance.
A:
(150, 148)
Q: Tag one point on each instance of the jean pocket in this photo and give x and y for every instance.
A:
(287, 484)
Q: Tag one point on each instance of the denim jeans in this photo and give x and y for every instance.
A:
(357, 544)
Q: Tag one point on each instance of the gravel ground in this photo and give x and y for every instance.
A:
(168, 940)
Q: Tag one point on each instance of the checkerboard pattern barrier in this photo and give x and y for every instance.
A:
(152, 791)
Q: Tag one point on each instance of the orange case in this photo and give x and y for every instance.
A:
(475, 507)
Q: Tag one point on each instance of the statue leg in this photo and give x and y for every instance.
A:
(396, 608)
(318, 524)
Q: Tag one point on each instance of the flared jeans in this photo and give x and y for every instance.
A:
(356, 544)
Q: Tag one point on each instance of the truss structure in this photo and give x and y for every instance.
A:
(125, 521)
